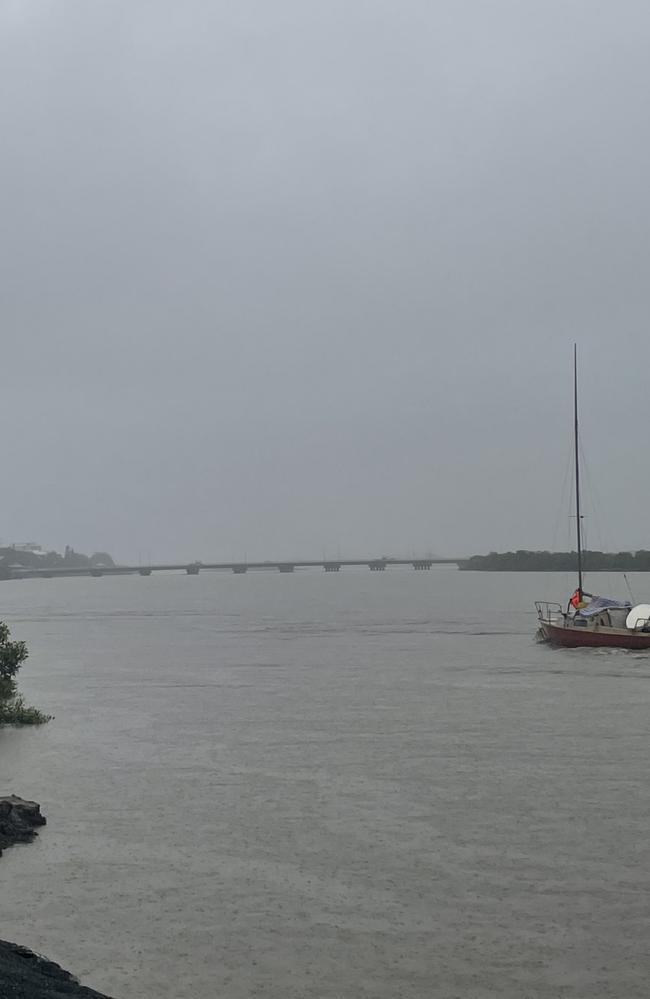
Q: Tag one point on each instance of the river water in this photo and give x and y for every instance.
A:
(329, 786)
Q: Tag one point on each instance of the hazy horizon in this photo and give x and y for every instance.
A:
(291, 280)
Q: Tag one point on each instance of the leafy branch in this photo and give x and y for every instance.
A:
(13, 710)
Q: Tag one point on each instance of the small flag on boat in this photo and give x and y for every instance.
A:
(576, 599)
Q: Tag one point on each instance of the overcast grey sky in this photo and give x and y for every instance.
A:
(285, 278)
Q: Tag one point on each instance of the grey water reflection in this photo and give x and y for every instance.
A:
(327, 786)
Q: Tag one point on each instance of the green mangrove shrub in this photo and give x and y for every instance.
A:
(13, 710)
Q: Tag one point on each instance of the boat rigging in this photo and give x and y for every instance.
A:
(589, 620)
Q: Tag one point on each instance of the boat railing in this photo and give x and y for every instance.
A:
(548, 610)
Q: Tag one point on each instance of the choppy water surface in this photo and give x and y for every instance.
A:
(345, 785)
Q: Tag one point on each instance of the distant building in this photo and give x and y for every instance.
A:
(27, 546)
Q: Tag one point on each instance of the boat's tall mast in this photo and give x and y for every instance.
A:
(577, 458)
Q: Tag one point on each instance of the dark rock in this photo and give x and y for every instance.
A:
(25, 975)
(19, 820)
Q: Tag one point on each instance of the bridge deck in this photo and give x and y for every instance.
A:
(193, 568)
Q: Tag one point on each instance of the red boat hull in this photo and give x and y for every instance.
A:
(574, 638)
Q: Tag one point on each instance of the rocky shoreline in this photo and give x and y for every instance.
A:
(23, 974)
(19, 820)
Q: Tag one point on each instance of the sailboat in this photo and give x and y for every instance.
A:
(590, 620)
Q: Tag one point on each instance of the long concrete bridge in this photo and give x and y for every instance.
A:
(239, 568)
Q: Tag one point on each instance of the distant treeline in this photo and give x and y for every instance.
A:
(527, 561)
(19, 558)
